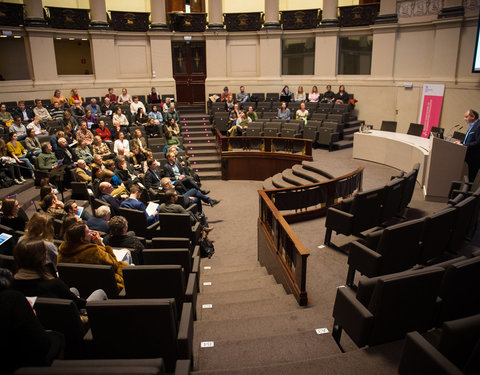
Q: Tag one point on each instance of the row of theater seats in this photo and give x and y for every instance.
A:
(385, 308)
(371, 208)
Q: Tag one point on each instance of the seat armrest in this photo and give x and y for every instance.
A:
(364, 259)
(152, 228)
(352, 316)
(196, 233)
(185, 332)
(191, 292)
(339, 221)
(420, 357)
(183, 367)
(196, 270)
(335, 137)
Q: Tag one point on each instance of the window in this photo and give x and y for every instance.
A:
(73, 56)
(13, 65)
(355, 54)
(298, 56)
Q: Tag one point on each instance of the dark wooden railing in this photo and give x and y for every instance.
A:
(280, 250)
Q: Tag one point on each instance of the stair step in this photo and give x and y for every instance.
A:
(340, 145)
(238, 275)
(231, 286)
(352, 130)
(204, 159)
(200, 132)
(314, 167)
(210, 175)
(290, 177)
(377, 360)
(232, 354)
(223, 259)
(279, 182)
(313, 177)
(268, 184)
(206, 137)
(267, 306)
(203, 167)
(247, 295)
(218, 270)
(201, 145)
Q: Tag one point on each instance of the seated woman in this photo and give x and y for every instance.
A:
(141, 118)
(54, 207)
(32, 143)
(314, 95)
(84, 134)
(302, 113)
(171, 140)
(16, 151)
(154, 97)
(75, 96)
(286, 95)
(342, 96)
(120, 117)
(83, 152)
(283, 112)
(122, 143)
(58, 98)
(301, 97)
(10, 165)
(13, 216)
(89, 118)
(139, 141)
(152, 129)
(69, 120)
(240, 125)
(156, 115)
(78, 248)
(101, 148)
(34, 279)
(173, 127)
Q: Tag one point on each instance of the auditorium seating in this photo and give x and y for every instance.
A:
(457, 351)
(137, 222)
(385, 308)
(141, 328)
(389, 126)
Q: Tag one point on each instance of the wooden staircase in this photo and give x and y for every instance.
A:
(199, 142)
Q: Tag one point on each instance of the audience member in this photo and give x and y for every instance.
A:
(152, 129)
(78, 248)
(172, 113)
(252, 115)
(41, 111)
(106, 190)
(10, 165)
(68, 221)
(94, 108)
(97, 162)
(314, 95)
(46, 158)
(111, 96)
(54, 207)
(166, 105)
(36, 124)
(18, 128)
(139, 141)
(32, 143)
(176, 172)
(117, 128)
(5, 117)
(13, 216)
(140, 118)
(75, 97)
(342, 95)
(234, 115)
(89, 118)
(121, 143)
(107, 108)
(136, 105)
(154, 97)
(56, 112)
(65, 154)
(120, 117)
(16, 151)
(156, 115)
(171, 140)
(71, 208)
(83, 172)
(240, 124)
(226, 95)
(125, 98)
(286, 95)
(302, 113)
(69, 120)
(101, 148)
(58, 98)
(242, 96)
(329, 95)
(83, 152)
(100, 222)
(133, 202)
(84, 134)
(172, 126)
(283, 112)
(103, 132)
(119, 237)
(192, 196)
(78, 109)
(26, 114)
(301, 97)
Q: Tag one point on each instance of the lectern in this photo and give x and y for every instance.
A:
(445, 164)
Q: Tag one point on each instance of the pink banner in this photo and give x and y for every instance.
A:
(431, 107)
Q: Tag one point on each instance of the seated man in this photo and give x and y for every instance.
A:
(83, 172)
(94, 108)
(106, 190)
(65, 153)
(176, 172)
(119, 237)
(71, 207)
(100, 223)
(171, 207)
(47, 159)
(242, 96)
(54, 207)
(152, 179)
(192, 196)
(134, 203)
(125, 171)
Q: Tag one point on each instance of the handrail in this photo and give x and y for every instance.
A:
(283, 253)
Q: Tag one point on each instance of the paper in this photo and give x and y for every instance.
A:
(151, 208)
(120, 254)
(80, 211)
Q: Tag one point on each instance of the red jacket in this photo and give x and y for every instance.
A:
(104, 134)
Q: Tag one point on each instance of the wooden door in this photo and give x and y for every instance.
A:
(189, 71)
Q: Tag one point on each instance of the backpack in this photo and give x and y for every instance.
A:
(206, 246)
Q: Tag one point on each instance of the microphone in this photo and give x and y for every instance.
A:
(450, 131)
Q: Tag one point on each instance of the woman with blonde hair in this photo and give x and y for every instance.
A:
(314, 95)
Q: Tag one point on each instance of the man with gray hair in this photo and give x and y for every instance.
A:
(100, 222)
(94, 107)
(106, 189)
(83, 172)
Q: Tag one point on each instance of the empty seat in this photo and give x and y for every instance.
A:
(393, 198)
(264, 106)
(384, 309)
(269, 115)
(137, 222)
(436, 234)
(326, 137)
(143, 328)
(177, 225)
(397, 249)
(415, 129)
(389, 126)
(272, 96)
(258, 96)
(410, 181)
(324, 107)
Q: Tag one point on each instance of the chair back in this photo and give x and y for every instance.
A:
(410, 181)
(389, 126)
(89, 277)
(144, 328)
(181, 257)
(436, 234)
(400, 246)
(415, 129)
(62, 315)
(460, 297)
(174, 225)
(464, 219)
(170, 242)
(8, 262)
(137, 221)
(403, 303)
(367, 209)
(393, 198)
